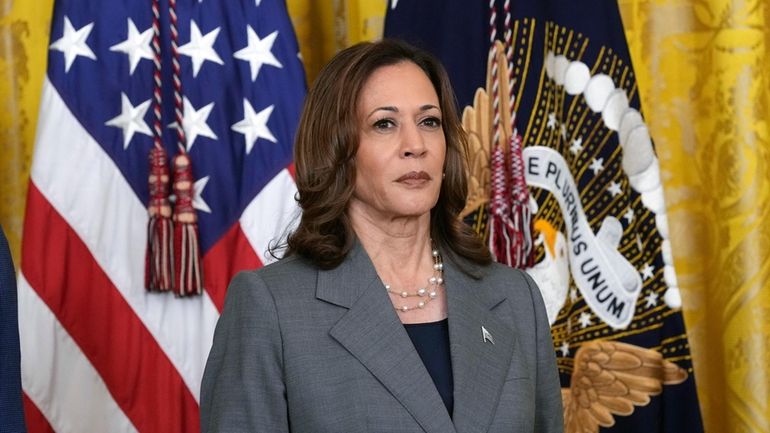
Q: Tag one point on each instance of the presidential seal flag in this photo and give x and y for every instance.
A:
(550, 101)
(172, 119)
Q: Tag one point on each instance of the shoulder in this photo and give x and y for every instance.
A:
(492, 273)
(512, 281)
(276, 280)
(496, 279)
(514, 284)
(506, 275)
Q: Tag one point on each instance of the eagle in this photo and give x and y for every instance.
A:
(610, 378)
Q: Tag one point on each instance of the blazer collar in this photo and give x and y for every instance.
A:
(344, 284)
(372, 332)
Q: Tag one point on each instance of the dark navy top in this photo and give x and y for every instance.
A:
(432, 343)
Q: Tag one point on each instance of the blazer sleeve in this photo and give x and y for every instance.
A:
(549, 416)
(11, 409)
(243, 388)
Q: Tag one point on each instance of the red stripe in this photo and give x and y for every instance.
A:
(138, 374)
(292, 172)
(35, 420)
(231, 254)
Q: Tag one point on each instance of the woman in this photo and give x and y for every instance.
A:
(387, 313)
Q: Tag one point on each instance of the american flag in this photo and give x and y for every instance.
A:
(100, 353)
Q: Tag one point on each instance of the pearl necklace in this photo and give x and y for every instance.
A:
(426, 294)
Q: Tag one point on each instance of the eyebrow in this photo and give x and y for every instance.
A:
(425, 107)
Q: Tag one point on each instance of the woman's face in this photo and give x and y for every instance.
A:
(401, 150)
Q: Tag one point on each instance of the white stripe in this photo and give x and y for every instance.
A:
(58, 377)
(84, 185)
(267, 219)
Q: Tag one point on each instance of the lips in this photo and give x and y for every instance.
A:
(414, 176)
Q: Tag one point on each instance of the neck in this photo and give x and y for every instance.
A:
(400, 248)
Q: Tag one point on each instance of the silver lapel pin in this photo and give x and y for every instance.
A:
(487, 336)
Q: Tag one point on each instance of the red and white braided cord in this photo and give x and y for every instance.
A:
(509, 59)
(519, 192)
(499, 222)
(176, 73)
(495, 80)
(498, 183)
(157, 87)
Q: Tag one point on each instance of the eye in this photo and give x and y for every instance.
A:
(384, 124)
(431, 122)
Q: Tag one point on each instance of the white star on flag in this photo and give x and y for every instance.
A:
(551, 120)
(652, 299)
(194, 122)
(131, 119)
(198, 202)
(136, 45)
(564, 349)
(258, 52)
(648, 271)
(585, 320)
(73, 43)
(597, 165)
(254, 125)
(393, 4)
(573, 296)
(577, 146)
(614, 189)
(629, 215)
(563, 129)
(201, 48)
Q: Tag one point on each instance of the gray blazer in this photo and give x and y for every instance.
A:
(306, 350)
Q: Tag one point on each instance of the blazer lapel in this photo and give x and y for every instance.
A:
(371, 332)
(479, 364)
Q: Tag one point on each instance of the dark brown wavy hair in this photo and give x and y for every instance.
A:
(325, 149)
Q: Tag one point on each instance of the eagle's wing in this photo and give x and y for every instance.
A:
(609, 379)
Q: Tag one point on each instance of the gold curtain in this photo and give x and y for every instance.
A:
(703, 68)
(24, 27)
(324, 28)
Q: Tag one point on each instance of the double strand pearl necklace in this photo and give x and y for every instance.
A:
(425, 293)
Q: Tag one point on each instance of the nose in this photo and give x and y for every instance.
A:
(412, 142)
